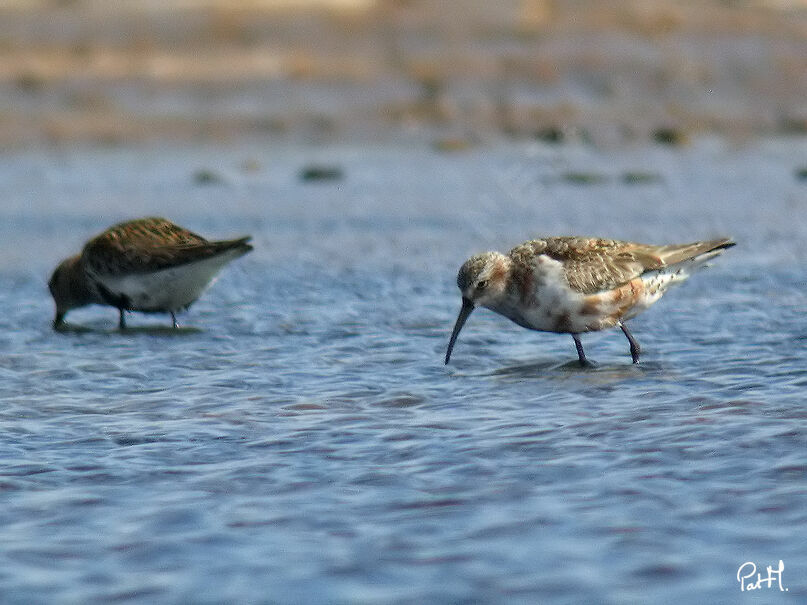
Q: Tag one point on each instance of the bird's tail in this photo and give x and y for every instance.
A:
(693, 255)
(680, 261)
(240, 245)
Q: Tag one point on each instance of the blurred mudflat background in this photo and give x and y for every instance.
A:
(609, 71)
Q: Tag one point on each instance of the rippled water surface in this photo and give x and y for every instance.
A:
(300, 440)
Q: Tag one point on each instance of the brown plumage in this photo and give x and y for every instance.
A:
(150, 244)
(149, 264)
(576, 284)
(593, 264)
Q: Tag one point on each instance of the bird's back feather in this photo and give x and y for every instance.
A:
(594, 265)
(151, 244)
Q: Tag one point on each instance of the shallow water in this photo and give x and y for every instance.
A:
(300, 439)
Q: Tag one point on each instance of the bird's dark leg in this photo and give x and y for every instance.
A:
(581, 355)
(174, 320)
(122, 321)
(635, 349)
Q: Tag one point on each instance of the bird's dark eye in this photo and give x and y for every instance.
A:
(482, 285)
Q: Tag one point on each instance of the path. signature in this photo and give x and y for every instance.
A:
(747, 570)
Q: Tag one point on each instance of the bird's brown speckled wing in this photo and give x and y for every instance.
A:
(149, 244)
(593, 265)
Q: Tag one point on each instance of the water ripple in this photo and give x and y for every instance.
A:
(300, 436)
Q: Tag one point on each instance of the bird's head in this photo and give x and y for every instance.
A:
(68, 288)
(482, 280)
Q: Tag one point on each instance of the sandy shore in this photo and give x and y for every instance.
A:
(614, 70)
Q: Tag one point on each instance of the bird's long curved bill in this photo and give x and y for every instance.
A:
(467, 307)
(58, 321)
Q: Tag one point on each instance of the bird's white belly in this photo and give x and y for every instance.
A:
(555, 309)
(550, 314)
(170, 289)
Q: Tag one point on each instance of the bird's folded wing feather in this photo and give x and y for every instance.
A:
(149, 245)
(592, 264)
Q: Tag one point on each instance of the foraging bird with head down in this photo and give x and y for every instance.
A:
(576, 284)
(149, 265)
